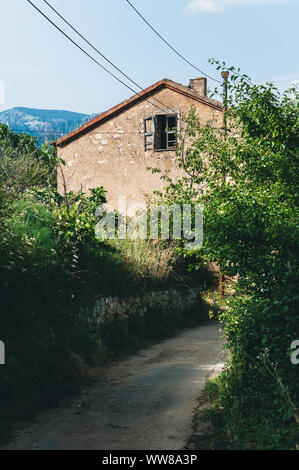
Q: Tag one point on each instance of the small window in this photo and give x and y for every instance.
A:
(160, 132)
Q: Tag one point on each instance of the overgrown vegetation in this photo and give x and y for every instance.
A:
(51, 267)
(248, 183)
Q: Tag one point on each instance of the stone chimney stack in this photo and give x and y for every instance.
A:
(199, 85)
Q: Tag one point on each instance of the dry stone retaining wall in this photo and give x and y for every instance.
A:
(172, 299)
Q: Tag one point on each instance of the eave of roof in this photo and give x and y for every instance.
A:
(112, 112)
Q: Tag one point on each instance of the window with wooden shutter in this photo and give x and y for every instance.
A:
(160, 132)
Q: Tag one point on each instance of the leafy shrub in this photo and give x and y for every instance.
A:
(51, 267)
(247, 179)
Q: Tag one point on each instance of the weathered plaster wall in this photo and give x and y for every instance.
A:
(112, 155)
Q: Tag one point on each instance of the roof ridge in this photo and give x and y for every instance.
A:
(196, 95)
(135, 98)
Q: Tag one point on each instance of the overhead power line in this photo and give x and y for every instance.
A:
(169, 45)
(31, 131)
(91, 57)
(245, 77)
(51, 132)
(99, 52)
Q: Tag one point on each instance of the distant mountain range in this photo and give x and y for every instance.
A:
(45, 124)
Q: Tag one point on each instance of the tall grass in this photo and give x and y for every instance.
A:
(149, 260)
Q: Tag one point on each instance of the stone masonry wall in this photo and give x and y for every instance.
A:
(172, 299)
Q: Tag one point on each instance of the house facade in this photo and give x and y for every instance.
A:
(115, 149)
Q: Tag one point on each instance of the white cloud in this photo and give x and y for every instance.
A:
(215, 6)
(284, 81)
(205, 5)
(287, 77)
(2, 93)
(25, 69)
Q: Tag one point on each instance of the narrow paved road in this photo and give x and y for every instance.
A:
(145, 401)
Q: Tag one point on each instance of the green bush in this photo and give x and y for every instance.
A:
(250, 180)
(52, 267)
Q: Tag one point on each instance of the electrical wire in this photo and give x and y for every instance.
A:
(50, 132)
(35, 131)
(247, 79)
(169, 45)
(91, 57)
(100, 53)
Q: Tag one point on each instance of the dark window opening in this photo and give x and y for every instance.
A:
(160, 132)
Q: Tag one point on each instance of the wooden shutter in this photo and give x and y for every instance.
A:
(149, 133)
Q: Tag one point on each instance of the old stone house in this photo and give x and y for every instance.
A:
(115, 149)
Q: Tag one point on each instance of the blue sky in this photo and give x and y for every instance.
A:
(40, 68)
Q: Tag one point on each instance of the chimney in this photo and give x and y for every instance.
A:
(199, 85)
